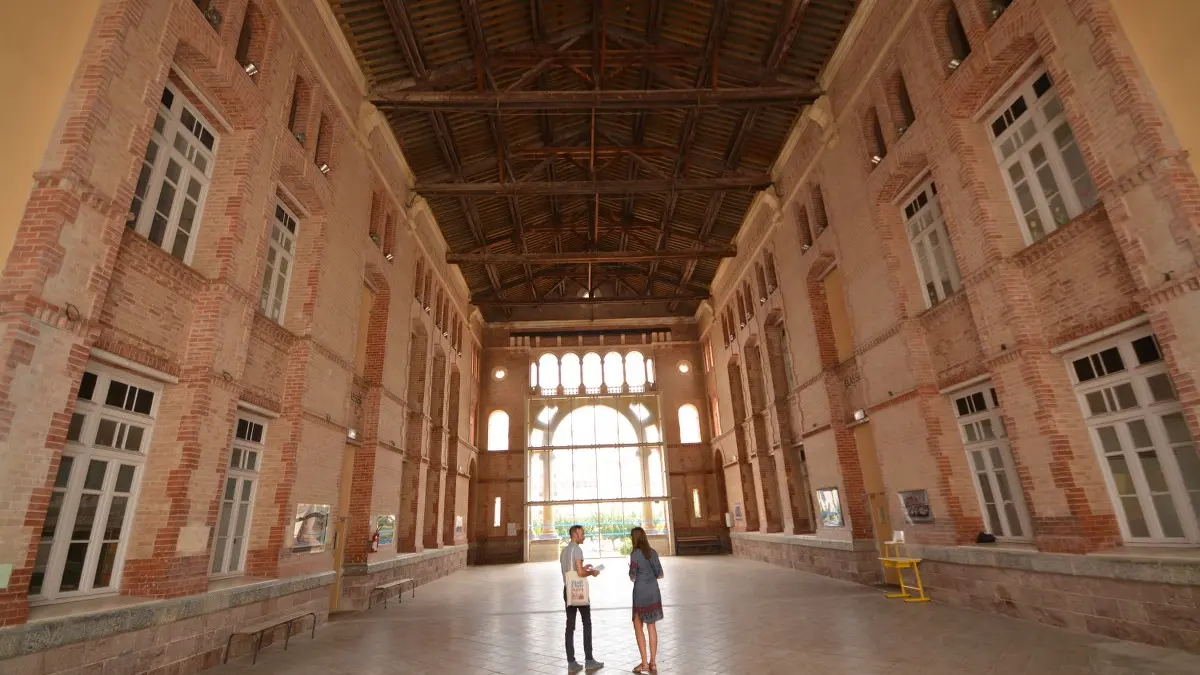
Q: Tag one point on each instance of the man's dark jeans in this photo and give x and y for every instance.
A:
(585, 612)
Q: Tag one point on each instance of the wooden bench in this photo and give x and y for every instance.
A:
(263, 627)
(398, 584)
(702, 543)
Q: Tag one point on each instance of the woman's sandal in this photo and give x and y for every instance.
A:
(641, 668)
(653, 667)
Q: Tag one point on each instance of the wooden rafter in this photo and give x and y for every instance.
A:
(607, 99)
(586, 187)
(585, 257)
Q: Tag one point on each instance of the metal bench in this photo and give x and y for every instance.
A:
(263, 627)
(384, 588)
(703, 543)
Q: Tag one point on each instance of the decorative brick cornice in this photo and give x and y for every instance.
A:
(1062, 237)
(126, 349)
(160, 262)
(272, 333)
(1173, 289)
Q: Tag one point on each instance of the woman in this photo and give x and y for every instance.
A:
(644, 571)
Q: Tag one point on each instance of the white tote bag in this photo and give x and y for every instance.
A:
(577, 589)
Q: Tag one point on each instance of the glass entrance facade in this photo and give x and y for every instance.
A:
(595, 460)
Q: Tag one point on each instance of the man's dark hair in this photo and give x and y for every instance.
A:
(571, 532)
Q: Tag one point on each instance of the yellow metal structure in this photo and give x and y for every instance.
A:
(895, 556)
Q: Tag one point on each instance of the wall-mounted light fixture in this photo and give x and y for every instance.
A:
(390, 257)
(901, 129)
(251, 69)
(684, 366)
(351, 434)
(876, 159)
(860, 415)
(499, 373)
(762, 300)
(954, 64)
(323, 168)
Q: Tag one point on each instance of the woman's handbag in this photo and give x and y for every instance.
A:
(577, 589)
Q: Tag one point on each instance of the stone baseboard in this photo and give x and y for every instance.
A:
(359, 580)
(1155, 601)
(854, 561)
(177, 636)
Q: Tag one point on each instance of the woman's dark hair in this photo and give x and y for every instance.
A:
(641, 542)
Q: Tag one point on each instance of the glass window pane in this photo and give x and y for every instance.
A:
(498, 430)
(571, 377)
(1146, 349)
(1126, 398)
(1134, 516)
(614, 370)
(1014, 520)
(1189, 466)
(1168, 517)
(95, 475)
(116, 518)
(1153, 470)
(635, 369)
(1140, 433)
(1083, 370)
(64, 471)
(1109, 440)
(75, 429)
(124, 478)
(1177, 430)
(87, 386)
(1160, 388)
(689, 424)
(593, 372)
(548, 371)
(1111, 358)
(73, 567)
(85, 515)
(1122, 478)
(1096, 403)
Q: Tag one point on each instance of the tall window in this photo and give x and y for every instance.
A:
(533, 374)
(496, 513)
(689, 424)
(878, 143)
(1040, 159)
(237, 496)
(83, 537)
(1137, 426)
(170, 191)
(907, 114)
(708, 357)
(803, 230)
(548, 373)
(635, 369)
(990, 457)
(820, 217)
(570, 373)
(280, 251)
(931, 245)
(614, 371)
(956, 35)
(497, 430)
(593, 371)
(772, 274)
(716, 415)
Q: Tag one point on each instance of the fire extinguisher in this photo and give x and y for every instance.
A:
(375, 542)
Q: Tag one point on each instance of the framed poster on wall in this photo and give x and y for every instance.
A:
(311, 527)
(916, 506)
(829, 504)
(385, 527)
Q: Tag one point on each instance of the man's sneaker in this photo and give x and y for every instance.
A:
(573, 666)
(593, 664)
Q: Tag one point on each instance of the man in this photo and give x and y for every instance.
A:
(572, 560)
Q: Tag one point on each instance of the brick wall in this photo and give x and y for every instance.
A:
(79, 279)
(1125, 257)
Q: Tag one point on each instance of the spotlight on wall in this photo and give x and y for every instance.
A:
(684, 366)
(426, 309)
(323, 168)
(805, 247)
(390, 257)
(445, 333)
(352, 434)
(762, 299)
(499, 373)
(251, 69)
(901, 129)
(876, 159)
(860, 415)
(954, 64)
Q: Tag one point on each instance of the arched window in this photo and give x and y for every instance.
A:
(548, 372)
(593, 371)
(689, 424)
(650, 371)
(772, 275)
(498, 430)
(569, 374)
(761, 275)
(635, 369)
(614, 370)
(533, 374)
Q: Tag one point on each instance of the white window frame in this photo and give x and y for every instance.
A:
(160, 151)
(81, 452)
(282, 245)
(924, 222)
(245, 462)
(1043, 116)
(1136, 375)
(982, 449)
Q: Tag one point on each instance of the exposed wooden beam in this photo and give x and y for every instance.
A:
(586, 257)
(608, 99)
(586, 187)
(601, 300)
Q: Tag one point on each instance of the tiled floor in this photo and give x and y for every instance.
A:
(723, 615)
